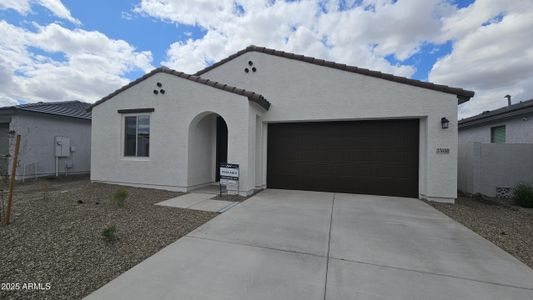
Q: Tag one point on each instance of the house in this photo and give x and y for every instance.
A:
(509, 124)
(496, 150)
(289, 121)
(55, 138)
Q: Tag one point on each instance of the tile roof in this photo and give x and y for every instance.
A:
(516, 109)
(254, 97)
(462, 95)
(73, 109)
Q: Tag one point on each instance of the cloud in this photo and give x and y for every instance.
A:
(87, 64)
(55, 6)
(492, 53)
(363, 35)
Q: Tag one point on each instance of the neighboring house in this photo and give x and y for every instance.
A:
(510, 124)
(55, 138)
(496, 150)
(289, 121)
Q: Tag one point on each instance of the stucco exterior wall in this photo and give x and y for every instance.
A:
(484, 167)
(301, 91)
(517, 130)
(174, 112)
(202, 139)
(37, 148)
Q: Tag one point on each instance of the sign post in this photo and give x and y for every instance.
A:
(12, 181)
(229, 174)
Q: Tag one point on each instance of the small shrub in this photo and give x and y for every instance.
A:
(45, 187)
(523, 195)
(120, 196)
(109, 233)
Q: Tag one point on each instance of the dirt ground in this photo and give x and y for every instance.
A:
(508, 226)
(55, 237)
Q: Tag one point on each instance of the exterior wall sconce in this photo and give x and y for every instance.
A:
(444, 123)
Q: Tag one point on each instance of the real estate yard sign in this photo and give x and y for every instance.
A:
(229, 173)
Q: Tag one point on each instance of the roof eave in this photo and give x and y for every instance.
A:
(462, 95)
(257, 98)
(491, 118)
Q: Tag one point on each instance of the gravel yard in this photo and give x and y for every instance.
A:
(509, 227)
(55, 235)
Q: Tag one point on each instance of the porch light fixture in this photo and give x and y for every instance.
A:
(444, 123)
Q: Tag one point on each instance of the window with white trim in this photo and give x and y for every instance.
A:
(137, 136)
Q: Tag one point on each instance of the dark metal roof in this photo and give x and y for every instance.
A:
(514, 110)
(73, 109)
(462, 95)
(254, 97)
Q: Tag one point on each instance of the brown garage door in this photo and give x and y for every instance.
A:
(364, 157)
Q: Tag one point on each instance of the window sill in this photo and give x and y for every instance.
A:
(134, 158)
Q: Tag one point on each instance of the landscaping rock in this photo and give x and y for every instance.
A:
(53, 239)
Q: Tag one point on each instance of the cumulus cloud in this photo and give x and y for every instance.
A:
(492, 53)
(87, 64)
(55, 6)
(361, 35)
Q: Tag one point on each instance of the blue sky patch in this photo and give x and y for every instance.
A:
(424, 59)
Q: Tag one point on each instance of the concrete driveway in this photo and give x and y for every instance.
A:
(308, 245)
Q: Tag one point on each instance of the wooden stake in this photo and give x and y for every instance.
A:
(12, 181)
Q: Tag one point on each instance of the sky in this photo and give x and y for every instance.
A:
(53, 50)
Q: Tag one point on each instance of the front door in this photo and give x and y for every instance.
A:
(222, 145)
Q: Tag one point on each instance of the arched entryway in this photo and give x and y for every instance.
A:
(207, 147)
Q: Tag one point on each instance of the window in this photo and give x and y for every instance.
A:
(497, 134)
(137, 136)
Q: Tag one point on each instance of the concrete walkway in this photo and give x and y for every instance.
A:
(309, 245)
(198, 201)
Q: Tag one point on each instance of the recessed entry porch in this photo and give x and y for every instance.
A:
(208, 148)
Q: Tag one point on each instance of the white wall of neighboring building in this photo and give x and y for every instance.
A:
(300, 91)
(485, 167)
(37, 148)
(517, 130)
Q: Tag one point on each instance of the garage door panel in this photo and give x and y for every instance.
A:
(368, 157)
